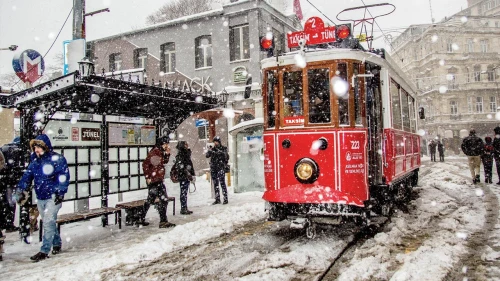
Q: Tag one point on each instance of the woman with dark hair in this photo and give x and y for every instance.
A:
(186, 173)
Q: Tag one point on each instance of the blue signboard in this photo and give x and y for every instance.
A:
(249, 138)
(201, 123)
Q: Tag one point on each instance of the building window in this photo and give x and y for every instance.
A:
(239, 42)
(479, 104)
(484, 46)
(449, 46)
(467, 74)
(167, 59)
(115, 62)
(203, 132)
(469, 104)
(203, 51)
(477, 73)
(279, 41)
(493, 104)
(452, 80)
(453, 107)
(470, 45)
(141, 58)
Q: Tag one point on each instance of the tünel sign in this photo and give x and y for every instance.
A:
(91, 134)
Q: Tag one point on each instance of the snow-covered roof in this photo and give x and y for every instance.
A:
(246, 124)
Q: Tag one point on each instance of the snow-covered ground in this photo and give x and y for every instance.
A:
(450, 232)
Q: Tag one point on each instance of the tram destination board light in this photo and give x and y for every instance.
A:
(343, 31)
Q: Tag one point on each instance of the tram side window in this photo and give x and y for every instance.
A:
(405, 111)
(358, 97)
(343, 99)
(396, 106)
(271, 109)
(411, 105)
(319, 95)
(292, 98)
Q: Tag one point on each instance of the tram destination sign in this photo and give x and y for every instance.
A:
(314, 33)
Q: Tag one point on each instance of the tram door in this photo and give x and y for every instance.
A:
(375, 125)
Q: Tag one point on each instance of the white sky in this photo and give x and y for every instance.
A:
(34, 24)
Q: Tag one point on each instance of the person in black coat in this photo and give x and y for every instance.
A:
(487, 159)
(432, 149)
(440, 147)
(218, 160)
(496, 152)
(186, 173)
(473, 147)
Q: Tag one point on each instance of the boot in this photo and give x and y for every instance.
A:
(166, 224)
(478, 179)
(216, 202)
(185, 211)
(56, 250)
(225, 201)
(141, 222)
(40, 256)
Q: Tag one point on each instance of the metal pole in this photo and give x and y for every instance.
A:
(78, 19)
(104, 168)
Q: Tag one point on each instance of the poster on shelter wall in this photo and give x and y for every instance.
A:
(66, 133)
(131, 134)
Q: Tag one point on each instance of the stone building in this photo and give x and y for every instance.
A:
(455, 66)
(218, 50)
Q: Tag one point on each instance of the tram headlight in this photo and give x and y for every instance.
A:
(306, 170)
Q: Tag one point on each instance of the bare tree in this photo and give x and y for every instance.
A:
(180, 8)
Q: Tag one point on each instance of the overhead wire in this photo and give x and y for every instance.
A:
(321, 12)
(55, 39)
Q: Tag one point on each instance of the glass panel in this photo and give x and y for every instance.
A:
(396, 106)
(319, 95)
(358, 95)
(143, 152)
(95, 171)
(95, 155)
(71, 173)
(343, 100)
(134, 183)
(71, 194)
(411, 105)
(113, 154)
(405, 110)
(124, 186)
(83, 155)
(124, 153)
(271, 110)
(69, 154)
(123, 169)
(113, 186)
(292, 99)
(133, 153)
(83, 190)
(95, 188)
(246, 42)
(113, 170)
(83, 172)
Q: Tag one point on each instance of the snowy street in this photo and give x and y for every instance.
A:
(451, 232)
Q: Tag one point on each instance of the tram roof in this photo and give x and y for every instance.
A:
(316, 55)
(101, 95)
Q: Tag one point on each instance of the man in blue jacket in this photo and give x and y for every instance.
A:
(49, 171)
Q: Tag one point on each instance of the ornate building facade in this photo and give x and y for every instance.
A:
(455, 65)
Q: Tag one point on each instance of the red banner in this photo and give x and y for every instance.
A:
(297, 10)
(314, 33)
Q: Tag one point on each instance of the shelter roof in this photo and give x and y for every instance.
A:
(101, 95)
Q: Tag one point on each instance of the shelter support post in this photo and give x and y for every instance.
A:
(104, 167)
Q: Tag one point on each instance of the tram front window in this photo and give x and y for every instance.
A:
(292, 98)
(343, 98)
(319, 95)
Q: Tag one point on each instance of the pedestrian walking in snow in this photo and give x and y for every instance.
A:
(432, 149)
(154, 172)
(50, 174)
(487, 159)
(186, 173)
(473, 147)
(218, 161)
(440, 148)
(496, 153)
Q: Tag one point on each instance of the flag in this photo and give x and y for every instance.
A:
(297, 10)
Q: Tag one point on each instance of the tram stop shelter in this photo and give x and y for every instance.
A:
(167, 106)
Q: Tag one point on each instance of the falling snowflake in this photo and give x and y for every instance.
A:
(340, 86)
(47, 169)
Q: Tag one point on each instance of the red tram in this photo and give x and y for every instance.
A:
(340, 132)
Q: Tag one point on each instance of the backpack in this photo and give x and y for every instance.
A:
(174, 173)
(12, 154)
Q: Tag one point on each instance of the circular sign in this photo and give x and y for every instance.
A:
(28, 65)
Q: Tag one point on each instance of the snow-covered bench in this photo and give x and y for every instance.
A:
(132, 208)
(81, 216)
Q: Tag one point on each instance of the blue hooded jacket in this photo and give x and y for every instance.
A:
(49, 171)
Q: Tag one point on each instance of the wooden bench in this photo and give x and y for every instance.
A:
(132, 208)
(81, 216)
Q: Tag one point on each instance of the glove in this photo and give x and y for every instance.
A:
(59, 199)
(20, 197)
